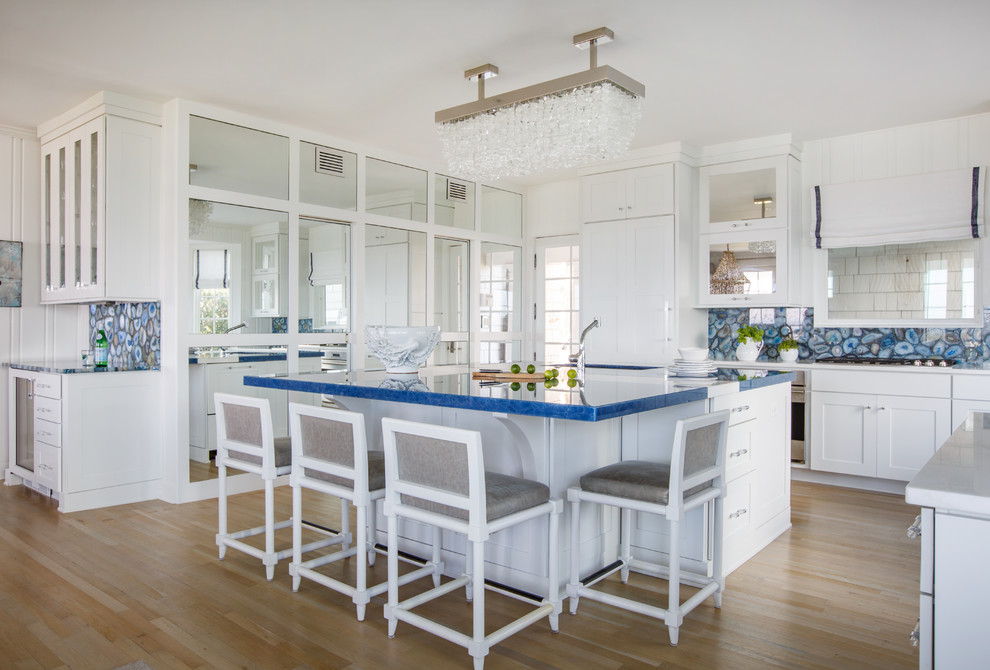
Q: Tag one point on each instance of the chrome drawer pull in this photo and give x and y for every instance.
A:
(741, 452)
(740, 409)
(738, 513)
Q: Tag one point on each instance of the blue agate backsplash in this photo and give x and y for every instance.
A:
(133, 331)
(962, 344)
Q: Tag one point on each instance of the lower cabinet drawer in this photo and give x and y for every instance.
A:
(739, 450)
(49, 409)
(47, 432)
(737, 506)
(48, 466)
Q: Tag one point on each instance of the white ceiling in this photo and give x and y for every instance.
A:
(375, 71)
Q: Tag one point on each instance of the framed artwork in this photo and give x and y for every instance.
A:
(10, 273)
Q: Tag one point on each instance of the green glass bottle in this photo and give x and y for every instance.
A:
(102, 349)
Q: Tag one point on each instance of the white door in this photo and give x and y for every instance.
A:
(556, 315)
(386, 284)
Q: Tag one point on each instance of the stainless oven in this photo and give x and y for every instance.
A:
(799, 419)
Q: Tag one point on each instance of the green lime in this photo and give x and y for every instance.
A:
(556, 372)
(531, 386)
(572, 383)
(514, 386)
(572, 373)
(531, 369)
(548, 373)
(554, 381)
(548, 383)
(515, 368)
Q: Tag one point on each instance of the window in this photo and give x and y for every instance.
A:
(213, 310)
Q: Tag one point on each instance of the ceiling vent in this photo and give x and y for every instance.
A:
(329, 162)
(456, 190)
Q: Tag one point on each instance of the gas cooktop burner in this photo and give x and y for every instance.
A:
(916, 362)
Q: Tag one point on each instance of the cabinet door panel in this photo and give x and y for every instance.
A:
(602, 269)
(909, 430)
(650, 191)
(649, 289)
(603, 197)
(844, 433)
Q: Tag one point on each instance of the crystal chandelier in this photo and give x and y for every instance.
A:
(728, 278)
(199, 215)
(573, 120)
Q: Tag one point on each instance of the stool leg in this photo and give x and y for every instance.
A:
(553, 569)
(478, 650)
(372, 531)
(296, 536)
(345, 524)
(362, 567)
(572, 586)
(269, 529)
(625, 543)
(393, 574)
(469, 569)
(674, 616)
(222, 499)
(718, 568)
(437, 536)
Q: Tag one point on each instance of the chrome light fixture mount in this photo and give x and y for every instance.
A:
(569, 121)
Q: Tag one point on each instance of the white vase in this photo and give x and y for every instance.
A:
(748, 351)
(788, 355)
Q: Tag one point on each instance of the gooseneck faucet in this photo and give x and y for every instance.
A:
(579, 357)
(233, 328)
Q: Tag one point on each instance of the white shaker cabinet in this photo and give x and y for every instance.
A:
(878, 424)
(100, 194)
(970, 393)
(96, 437)
(627, 194)
(628, 280)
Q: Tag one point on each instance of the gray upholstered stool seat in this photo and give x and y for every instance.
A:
(283, 453)
(376, 473)
(504, 495)
(636, 480)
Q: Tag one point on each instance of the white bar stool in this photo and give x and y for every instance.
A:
(435, 475)
(695, 476)
(245, 441)
(330, 455)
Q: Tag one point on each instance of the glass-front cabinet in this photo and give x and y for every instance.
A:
(745, 268)
(100, 210)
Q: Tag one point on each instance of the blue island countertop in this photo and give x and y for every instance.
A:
(605, 393)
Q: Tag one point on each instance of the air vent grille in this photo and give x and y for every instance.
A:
(456, 190)
(329, 162)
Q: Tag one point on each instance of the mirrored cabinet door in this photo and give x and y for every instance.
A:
(744, 268)
(744, 195)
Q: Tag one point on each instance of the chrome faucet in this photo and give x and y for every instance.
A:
(579, 357)
(233, 328)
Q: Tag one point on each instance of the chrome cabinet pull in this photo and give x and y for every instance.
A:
(738, 513)
(914, 530)
(741, 452)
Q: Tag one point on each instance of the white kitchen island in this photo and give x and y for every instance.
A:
(953, 490)
(554, 435)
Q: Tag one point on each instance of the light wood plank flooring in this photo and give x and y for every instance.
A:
(103, 588)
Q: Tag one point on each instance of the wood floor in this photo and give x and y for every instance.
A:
(104, 588)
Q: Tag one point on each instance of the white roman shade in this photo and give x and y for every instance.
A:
(326, 268)
(929, 207)
(212, 268)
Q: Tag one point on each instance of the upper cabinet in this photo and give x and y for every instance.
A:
(628, 194)
(269, 294)
(748, 241)
(100, 175)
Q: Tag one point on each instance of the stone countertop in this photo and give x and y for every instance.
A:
(960, 368)
(68, 368)
(605, 393)
(248, 357)
(957, 477)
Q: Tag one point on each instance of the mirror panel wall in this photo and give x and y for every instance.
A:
(324, 284)
(454, 202)
(238, 259)
(395, 279)
(395, 190)
(501, 212)
(233, 158)
(327, 176)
